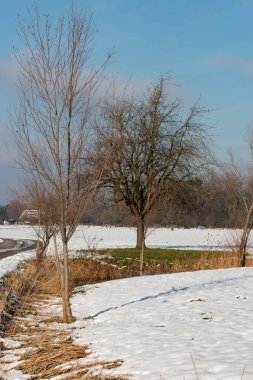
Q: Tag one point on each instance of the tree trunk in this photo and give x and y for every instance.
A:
(67, 313)
(39, 253)
(57, 259)
(140, 233)
(142, 258)
(243, 246)
(140, 243)
(245, 236)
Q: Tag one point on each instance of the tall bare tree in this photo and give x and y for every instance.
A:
(154, 145)
(240, 183)
(52, 118)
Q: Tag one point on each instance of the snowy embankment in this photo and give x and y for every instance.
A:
(9, 264)
(153, 323)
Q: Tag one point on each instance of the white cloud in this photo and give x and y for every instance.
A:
(8, 70)
(7, 147)
(242, 67)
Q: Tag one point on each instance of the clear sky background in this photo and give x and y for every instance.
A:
(205, 45)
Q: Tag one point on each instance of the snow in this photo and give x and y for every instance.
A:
(9, 343)
(115, 237)
(17, 232)
(9, 264)
(14, 375)
(154, 323)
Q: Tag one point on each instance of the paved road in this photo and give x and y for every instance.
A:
(10, 247)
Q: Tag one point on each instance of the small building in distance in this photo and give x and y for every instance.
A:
(29, 216)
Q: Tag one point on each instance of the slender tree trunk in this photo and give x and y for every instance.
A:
(57, 259)
(67, 313)
(39, 253)
(243, 246)
(140, 233)
(140, 243)
(142, 258)
(245, 236)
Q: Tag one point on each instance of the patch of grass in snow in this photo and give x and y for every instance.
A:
(157, 260)
(185, 255)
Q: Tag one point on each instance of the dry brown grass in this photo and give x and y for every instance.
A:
(49, 351)
(33, 279)
(24, 283)
(206, 262)
(86, 271)
(47, 356)
(89, 271)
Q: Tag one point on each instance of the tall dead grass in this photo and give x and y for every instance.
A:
(49, 351)
(32, 278)
(86, 271)
(23, 283)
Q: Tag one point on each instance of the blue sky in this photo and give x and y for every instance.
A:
(205, 45)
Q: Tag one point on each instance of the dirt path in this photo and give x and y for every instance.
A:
(10, 247)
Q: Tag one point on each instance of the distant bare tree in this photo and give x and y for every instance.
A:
(240, 183)
(45, 209)
(52, 120)
(152, 146)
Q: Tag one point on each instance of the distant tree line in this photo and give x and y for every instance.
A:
(11, 211)
(205, 202)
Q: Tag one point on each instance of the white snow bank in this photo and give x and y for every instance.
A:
(154, 323)
(9, 264)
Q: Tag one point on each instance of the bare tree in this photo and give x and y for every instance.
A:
(240, 184)
(52, 118)
(153, 147)
(41, 206)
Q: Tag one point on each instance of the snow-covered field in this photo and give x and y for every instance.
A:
(155, 323)
(110, 237)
